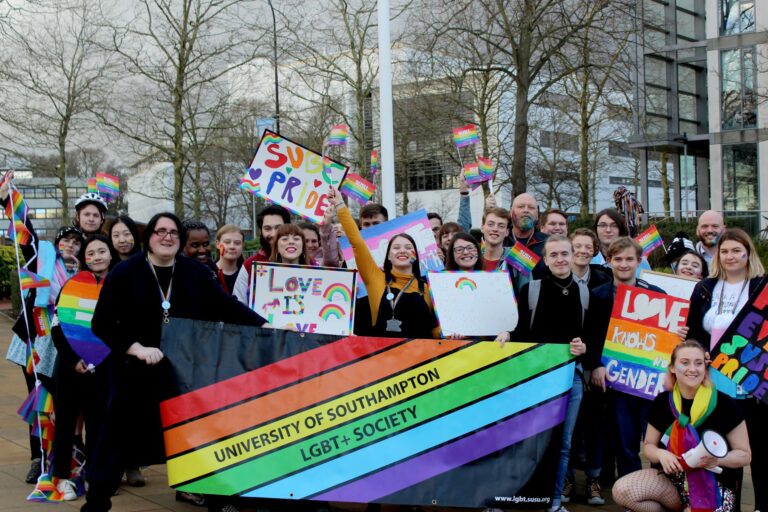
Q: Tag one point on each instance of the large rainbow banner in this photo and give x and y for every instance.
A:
(641, 336)
(276, 414)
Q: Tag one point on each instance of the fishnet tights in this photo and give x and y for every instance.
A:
(646, 490)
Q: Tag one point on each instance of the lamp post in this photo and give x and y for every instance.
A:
(274, 64)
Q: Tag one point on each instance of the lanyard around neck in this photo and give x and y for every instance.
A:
(166, 296)
(393, 300)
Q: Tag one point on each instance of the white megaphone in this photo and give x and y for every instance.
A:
(712, 444)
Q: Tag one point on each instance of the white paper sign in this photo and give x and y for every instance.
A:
(308, 299)
(473, 303)
(676, 286)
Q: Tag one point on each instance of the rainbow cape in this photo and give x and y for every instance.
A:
(361, 419)
(465, 136)
(75, 311)
(338, 136)
(521, 258)
(358, 188)
(649, 240)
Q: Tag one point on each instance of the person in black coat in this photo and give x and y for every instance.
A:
(138, 297)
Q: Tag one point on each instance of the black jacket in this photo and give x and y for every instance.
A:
(701, 302)
(598, 318)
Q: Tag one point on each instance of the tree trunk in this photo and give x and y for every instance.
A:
(62, 173)
(665, 183)
(584, 148)
(520, 155)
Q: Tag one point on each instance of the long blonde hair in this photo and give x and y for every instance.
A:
(754, 265)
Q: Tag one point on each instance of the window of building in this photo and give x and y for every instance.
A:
(740, 177)
(686, 104)
(426, 174)
(685, 4)
(655, 71)
(619, 148)
(686, 25)
(738, 71)
(737, 16)
(686, 79)
(656, 100)
(558, 140)
(654, 13)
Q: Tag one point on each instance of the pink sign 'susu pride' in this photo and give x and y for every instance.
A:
(377, 238)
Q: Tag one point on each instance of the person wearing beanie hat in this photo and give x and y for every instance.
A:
(684, 259)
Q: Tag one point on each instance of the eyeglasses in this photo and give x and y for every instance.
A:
(605, 225)
(469, 249)
(162, 233)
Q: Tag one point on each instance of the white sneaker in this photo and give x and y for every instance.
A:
(67, 489)
(557, 509)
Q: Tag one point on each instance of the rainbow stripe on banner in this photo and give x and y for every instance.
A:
(108, 186)
(338, 136)
(29, 280)
(485, 166)
(649, 240)
(465, 136)
(356, 187)
(521, 258)
(75, 311)
(363, 419)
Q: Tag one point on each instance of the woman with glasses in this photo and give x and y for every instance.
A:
(139, 296)
(610, 225)
(463, 253)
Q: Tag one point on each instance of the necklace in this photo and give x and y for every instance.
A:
(564, 288)
(165, 295)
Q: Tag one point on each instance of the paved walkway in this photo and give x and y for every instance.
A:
(156, 496)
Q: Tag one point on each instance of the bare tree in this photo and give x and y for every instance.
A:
(175, 55)
(52, 76)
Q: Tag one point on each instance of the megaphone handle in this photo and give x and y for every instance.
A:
(715, 469)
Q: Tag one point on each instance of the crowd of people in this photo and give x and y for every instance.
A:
(167, 270)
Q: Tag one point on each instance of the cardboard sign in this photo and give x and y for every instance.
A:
(677, 286)
(473, 303)
(296, 178)
(640, 340)
(377, 238)
(307, 299)
(742, 353)
(362, 419)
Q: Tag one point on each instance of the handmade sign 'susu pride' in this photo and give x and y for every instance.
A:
(640, 339)
(307, 299)
(473, 303)
(742, 353)
(288, 174)
(377, 238)
(278, 414)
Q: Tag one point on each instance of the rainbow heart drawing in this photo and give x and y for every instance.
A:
(330, 310)
(338, 288)
(465, 283)
(75, 311)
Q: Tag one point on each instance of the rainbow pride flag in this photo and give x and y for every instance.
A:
(521, 258)
(363, 419)
(29, 280)
(75, 311)
(18, 208)
(108, 186)
(649, 240)
(18, 232)
(356, 187)
(465, 136)
(93, 187)
(338, 136)
(374, 163)
(485, 166)
(472, 174)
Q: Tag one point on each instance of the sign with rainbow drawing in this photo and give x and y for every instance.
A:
(288, 174)
(305, 299)
(77, 302)
(640, 339)
(473, 303)
(453, 423)
(377, 238)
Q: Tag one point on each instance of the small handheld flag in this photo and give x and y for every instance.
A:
(30, 280)
(465, 136)
(358, 188)
(521, 258)
(649, 240)
(485, 166)
(108, 186)
(16, 209)
(93, 188)
(374, 163)
(18, 232)
(338, 135)
(472, 174)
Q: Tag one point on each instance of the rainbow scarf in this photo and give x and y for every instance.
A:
(682, 436)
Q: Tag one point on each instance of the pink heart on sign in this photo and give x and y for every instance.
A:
(318, 183)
